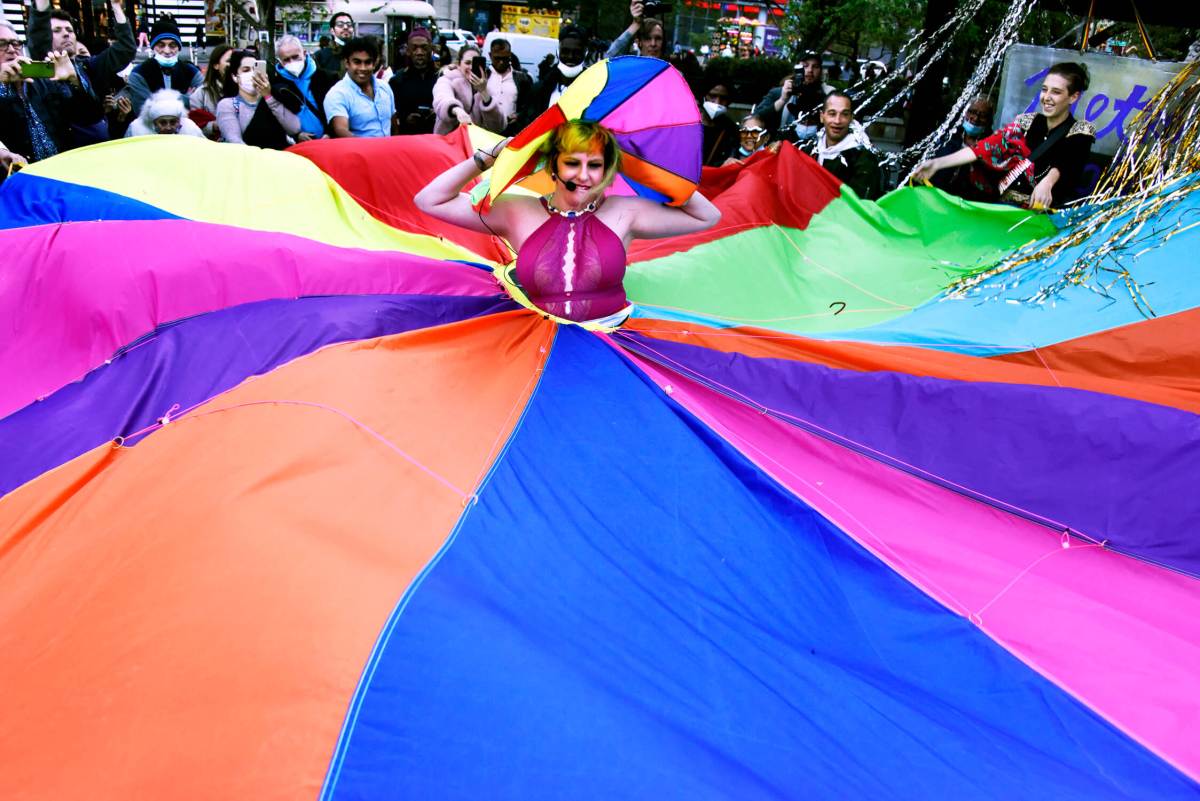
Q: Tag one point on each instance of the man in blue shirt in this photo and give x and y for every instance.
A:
(301, 87)
(359, 104)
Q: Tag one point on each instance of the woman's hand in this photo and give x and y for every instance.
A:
(1043, 195)
(487, 158)
(925, 170)
(462, 116)
(10, 161)
(262, 85)
(496, 148)
(478, 85)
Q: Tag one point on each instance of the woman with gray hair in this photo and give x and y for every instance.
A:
(164, 113)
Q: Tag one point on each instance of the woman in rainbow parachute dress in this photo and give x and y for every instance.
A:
(571, 244)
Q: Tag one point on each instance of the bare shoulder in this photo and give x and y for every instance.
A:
(618, 207)
(514, 208)
(619, 212)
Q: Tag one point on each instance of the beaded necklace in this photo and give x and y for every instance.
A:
(567, 212)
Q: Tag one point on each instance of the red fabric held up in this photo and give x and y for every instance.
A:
(384, 174)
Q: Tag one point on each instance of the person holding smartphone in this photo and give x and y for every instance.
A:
(413, 85)
(39, 101)
(251, 115)
(461, 97)
(53, 30)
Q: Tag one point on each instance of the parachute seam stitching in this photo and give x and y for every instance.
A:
(341, 748)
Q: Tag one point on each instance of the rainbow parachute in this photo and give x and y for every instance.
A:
(297, 504)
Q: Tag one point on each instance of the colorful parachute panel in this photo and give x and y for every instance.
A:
(375, 531)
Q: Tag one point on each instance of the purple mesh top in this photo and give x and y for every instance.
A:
(572, 267)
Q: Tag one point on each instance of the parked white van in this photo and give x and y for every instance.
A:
(528, 49)
(390, 21)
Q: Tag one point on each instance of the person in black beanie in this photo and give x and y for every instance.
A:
(165, 70)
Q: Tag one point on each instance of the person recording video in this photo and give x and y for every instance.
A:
(792, 109)
(39, 101)
(646, 30)
(461, 96)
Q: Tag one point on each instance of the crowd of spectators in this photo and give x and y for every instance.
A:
(345, 89)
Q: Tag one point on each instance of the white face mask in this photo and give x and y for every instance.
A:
(246, 82)
(714, 109)
(570, 72)
(338, 41)
(296, 67)
(166, 61)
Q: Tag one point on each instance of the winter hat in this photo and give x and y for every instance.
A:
(163, 103)
(419, 32)
(165, 28)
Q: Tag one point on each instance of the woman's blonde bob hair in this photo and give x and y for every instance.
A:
(577, 136)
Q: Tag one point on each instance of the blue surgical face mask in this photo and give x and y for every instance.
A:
(166, 61)
(972, 129)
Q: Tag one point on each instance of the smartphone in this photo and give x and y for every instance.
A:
(260, 66)
(478, 66)
(37, 69)
(425, 110)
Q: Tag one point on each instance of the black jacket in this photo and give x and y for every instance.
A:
(860, 171)
(101, 69)
(56, 105)
(540, 93)
(329, 61)
(720, 139)
(284, 88)
(413, 92)
(147, 78)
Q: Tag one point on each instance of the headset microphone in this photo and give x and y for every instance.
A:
(570, 186)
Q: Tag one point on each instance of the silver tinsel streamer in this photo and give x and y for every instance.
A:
(1005, 36)
(945, 34)
(1155, 168)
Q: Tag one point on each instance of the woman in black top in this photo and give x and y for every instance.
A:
(1037, 159)
(249, 114)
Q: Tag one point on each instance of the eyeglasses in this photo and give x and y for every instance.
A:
(343, 23)
(756, 131)
(10, 44)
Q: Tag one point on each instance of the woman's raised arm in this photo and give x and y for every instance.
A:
(443, 198)
(652, 220)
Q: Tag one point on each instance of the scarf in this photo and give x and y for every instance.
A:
(39, 139)
(856, 137)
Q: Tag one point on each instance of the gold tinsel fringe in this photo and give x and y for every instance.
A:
(1142, 184)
